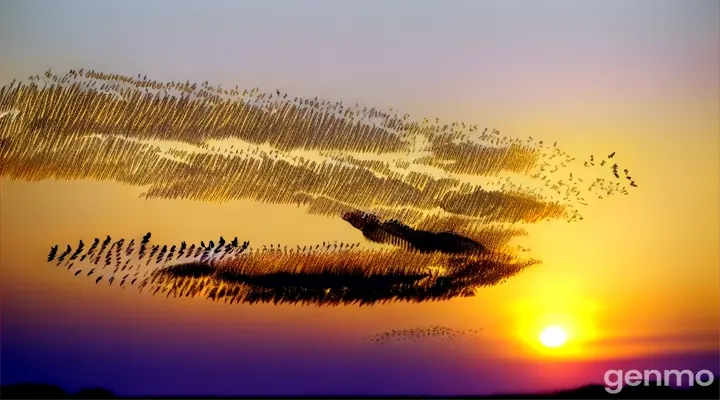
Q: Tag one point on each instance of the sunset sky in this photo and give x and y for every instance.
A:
(635, 284)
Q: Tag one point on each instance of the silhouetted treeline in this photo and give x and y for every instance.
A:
(46, 391)
(653, 391)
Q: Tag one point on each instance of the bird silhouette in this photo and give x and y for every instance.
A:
(53, 252)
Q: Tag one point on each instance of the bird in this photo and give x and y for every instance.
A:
(611, 155)
(53, 251)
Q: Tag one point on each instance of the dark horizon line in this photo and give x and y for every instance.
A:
(588, 391)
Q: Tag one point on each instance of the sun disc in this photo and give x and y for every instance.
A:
(553, 336)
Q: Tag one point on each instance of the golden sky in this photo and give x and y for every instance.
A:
(638, 276)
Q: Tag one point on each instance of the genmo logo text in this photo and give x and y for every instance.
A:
(616, 379)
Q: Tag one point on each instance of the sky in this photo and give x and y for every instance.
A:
(635, 283)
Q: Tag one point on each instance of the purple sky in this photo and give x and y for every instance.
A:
(643, 72)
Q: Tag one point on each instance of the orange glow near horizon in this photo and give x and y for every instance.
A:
(635, 279)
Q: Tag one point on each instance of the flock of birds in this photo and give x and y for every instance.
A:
(113, 261)
(99, 262)
(328, 274)
(434, 332)
(103, 256)
(209, 143)
(396, 233)
(452, 195)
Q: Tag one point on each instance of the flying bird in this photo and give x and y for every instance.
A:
(53, 252)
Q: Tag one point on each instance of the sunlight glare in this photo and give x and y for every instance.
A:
(553, 336)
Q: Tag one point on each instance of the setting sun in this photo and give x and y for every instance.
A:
(553, 336)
